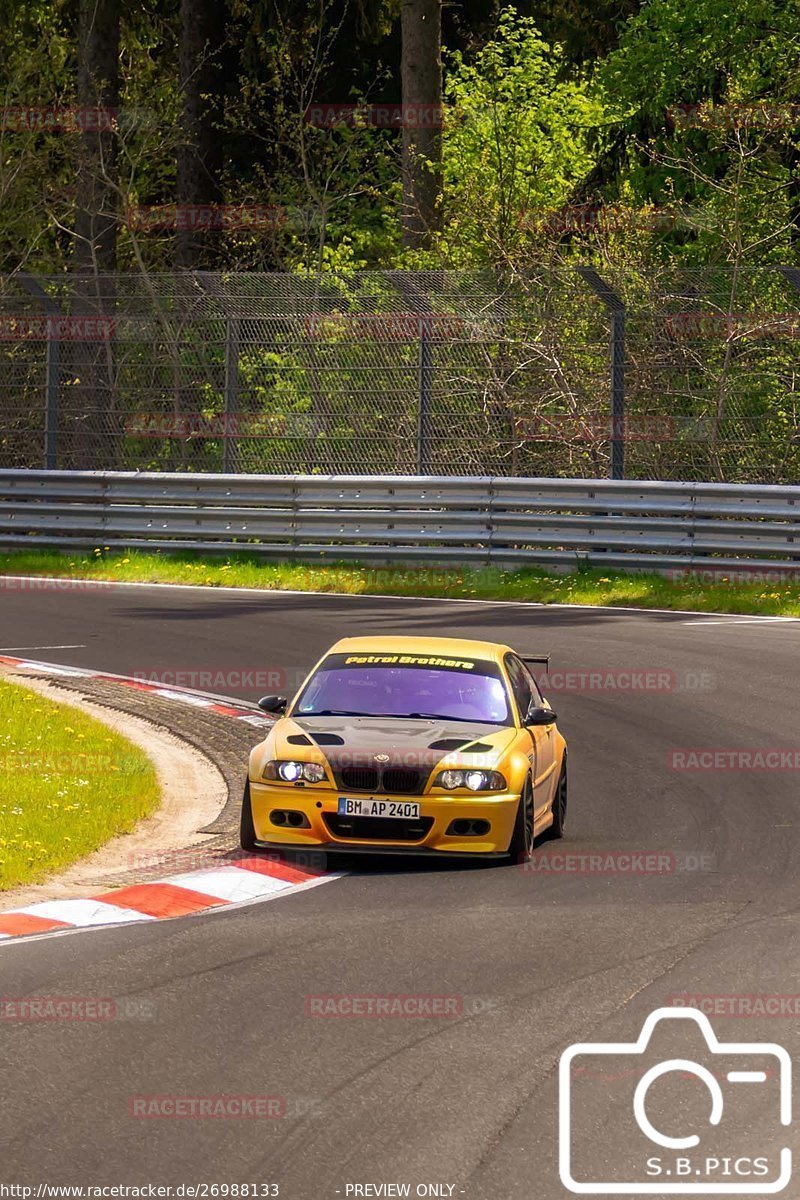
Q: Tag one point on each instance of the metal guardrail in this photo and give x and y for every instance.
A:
(409, 518)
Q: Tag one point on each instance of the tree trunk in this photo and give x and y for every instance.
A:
(200, 152)
(199, 161)
(421, 71)
(94, 425)
(98, 101)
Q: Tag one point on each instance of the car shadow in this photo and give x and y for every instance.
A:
(319, 862)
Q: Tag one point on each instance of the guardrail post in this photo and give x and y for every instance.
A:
(616, 309)
(52, 309)
(230, 443)
(425, 397)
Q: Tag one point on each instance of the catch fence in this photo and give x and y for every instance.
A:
(567, 373)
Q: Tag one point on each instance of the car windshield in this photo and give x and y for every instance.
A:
(389, 689)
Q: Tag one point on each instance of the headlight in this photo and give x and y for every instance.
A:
(476, 781)
(294, 772)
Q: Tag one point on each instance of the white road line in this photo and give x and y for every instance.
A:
(744, 619)
(12, 649)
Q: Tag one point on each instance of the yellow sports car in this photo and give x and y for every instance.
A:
(428, 745)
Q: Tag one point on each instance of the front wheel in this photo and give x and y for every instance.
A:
(560, 804)
(247, 830)
(520, 847)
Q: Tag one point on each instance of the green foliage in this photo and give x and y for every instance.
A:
(36, 168)
(701, 111)
(672, 52)
(516, 141)
(663, 114)
(530, 126)
(706, 591)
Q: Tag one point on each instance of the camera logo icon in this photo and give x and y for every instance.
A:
(647, 1117)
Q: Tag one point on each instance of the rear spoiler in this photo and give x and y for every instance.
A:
(537, 658)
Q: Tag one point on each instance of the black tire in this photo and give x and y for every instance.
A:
(520, 847)
(247, 831)
(556, 830)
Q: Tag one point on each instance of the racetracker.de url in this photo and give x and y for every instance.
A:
(144, 1191)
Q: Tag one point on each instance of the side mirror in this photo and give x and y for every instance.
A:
(273, 704)
(540, 716)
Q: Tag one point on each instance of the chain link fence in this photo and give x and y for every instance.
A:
(565, 373)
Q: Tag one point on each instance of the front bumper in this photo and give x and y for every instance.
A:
(498, 809)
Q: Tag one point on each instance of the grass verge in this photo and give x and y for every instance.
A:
(68, 783)
(735, 593)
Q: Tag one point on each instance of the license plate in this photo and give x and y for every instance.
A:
(377, 808)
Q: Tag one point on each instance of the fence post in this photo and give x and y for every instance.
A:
(52, 308)
(616, 309)
(425, 397)
(791, 275)
(230, 443)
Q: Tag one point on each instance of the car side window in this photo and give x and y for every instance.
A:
(536, 691)
(521, 684)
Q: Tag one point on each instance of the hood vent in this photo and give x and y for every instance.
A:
(328, 739)
(299, 739)
(466, 747)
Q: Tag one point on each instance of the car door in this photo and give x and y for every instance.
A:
(543, 755)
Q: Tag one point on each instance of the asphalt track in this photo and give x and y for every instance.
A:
(535, 959)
